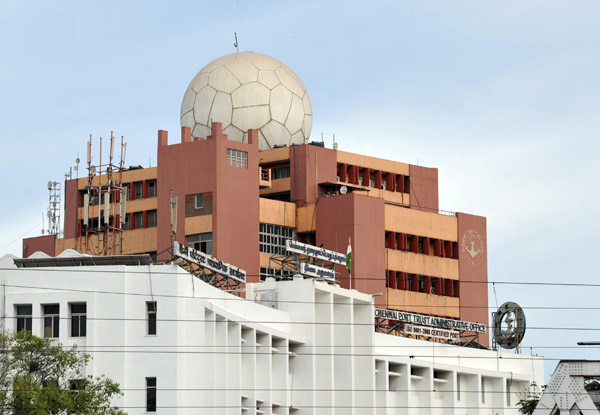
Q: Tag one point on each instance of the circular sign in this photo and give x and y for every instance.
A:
(472, 247)
(509, 325)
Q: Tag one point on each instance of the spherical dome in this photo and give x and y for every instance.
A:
(248, 90)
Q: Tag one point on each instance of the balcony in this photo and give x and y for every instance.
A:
(264, 177)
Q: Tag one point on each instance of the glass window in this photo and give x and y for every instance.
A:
(152, 217)
(76, 385)
(199, 204)
(151, 317)
(202, 242)
(78, 320)
(272, 238)
(237, 158)
(126, 224)
(150, 394)
(151, 188)
(24, 318)
(51, 320)
(281, 173)
(138, 217)
(139, 189)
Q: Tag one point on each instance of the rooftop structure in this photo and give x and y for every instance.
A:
(240, 196)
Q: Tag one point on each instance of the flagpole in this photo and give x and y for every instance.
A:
(350, 270)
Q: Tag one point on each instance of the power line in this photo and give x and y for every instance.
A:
(235, 298)
(81, 269)
(316, 323)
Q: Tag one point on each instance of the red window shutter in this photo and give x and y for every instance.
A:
(392, 279)
(366, 177)
(342, 172)
(400, 183)
(378, 179)
(402, 281)
(391, 240)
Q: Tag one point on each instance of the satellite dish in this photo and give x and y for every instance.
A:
(343, 190)
(509, 325)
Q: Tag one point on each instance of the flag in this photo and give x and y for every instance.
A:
(349, 257)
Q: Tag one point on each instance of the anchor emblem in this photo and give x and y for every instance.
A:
(472, 244)
(472, 251)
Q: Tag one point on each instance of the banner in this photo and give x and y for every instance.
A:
(315, 252)
(424, 320)
(314, 271)
(451, 335)
(208, 262)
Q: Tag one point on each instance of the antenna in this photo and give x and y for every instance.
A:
(103, 202)
(76, 168)
(235, 45)
(335, 144)
(53, 213)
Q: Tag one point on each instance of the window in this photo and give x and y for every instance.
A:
(138, 218)
(280, 173)
(151, 317)
(269, 272)
(150, 394)
(151, 188)
(76, 385)
(202, 242)
(51, 320)
(237, 158)
(126, 224)
(78, 320)
(199, 203)
(152, 218)
(272, 238)
(139, 190)
(24, 317)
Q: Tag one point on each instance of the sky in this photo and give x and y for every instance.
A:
(501, 96)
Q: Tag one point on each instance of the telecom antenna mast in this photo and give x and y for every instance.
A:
(53, 213)
(101, 230)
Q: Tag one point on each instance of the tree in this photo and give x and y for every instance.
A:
(530, 398)
(39, 376)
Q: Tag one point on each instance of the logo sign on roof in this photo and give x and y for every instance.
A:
(208, 262)
(451, 335)
(315, 252)
(314, 271)
(424, 320)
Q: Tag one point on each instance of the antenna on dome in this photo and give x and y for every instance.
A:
(235, 45)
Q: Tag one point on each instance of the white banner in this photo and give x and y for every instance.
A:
(207, 261)
(315, 252)
(424, 320)
(314, 271)
(451, 335)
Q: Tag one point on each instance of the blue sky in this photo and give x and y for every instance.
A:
(501, 96)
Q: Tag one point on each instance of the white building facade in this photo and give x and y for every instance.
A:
(177, 345)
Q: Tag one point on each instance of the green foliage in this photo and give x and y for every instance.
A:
(527, 406)
(530, 398)
(592, 384)
(39, 377)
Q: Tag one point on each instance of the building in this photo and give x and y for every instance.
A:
(238, 190)
(177, 345)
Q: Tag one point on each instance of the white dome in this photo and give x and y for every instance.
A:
(248, 90)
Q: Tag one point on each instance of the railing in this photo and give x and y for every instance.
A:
(265, 174)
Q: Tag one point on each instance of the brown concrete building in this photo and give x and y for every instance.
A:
(240, 204)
